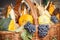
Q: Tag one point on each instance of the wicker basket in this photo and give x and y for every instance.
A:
(6, 35)
(54, 29)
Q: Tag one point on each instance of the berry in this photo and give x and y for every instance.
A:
(43, 30)
(29, 27)
(54, 19)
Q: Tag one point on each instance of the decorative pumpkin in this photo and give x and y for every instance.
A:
(51, 8)
(25, 18)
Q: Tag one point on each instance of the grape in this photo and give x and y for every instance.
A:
(29, 27)
(54, 19)
(43, 30)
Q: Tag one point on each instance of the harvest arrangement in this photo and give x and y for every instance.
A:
(28, 23)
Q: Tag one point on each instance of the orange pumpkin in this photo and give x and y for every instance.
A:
(25, 18)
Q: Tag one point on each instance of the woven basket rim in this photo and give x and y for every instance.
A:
(8, 32)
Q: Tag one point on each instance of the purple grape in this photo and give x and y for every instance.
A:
(30, 27)
(54, 19)
(43, 30)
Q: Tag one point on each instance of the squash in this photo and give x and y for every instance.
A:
(25, 18)
(43, 19)
(11, 26)
(51, 8)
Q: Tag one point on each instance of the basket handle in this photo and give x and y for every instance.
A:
(33, 10)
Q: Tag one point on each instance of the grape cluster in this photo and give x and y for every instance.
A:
(43, 30)
(30, 27)
(54, 19)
